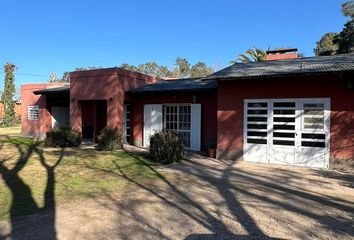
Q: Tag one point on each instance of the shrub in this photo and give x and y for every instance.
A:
(110, 139)
(63, 137)
(166, 147)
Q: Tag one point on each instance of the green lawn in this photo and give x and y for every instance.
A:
(26, 167)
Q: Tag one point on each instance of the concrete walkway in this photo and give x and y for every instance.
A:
(205, 198)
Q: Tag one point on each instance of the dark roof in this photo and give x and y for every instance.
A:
(309, 65)
(282, 50)
(56, 90)
(184, 84)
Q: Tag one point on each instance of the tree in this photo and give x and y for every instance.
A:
(251, 55)
(348, 8)
(8, 94)
(182, 68)
(200, 70)
(326, 46)
(345, 39)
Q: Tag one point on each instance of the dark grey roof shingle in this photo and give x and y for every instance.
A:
(336, 63)
(184, 84)
(55, 90)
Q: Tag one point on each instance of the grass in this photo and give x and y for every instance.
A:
(10, 130)
(81, 173)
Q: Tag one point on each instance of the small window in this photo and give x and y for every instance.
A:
(33, 113)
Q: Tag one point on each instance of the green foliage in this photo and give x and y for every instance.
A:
(251, 55)
(345, 39)
(64, 79)
(348, 9)
(182, 69)
(166, 147)
(326, 46)
(110, 139)
(343, 42)
(63, 137)
(8, 95)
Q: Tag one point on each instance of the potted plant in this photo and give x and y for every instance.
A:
(212, 151)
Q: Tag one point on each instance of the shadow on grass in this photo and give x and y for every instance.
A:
(237, 188)
(23, 202)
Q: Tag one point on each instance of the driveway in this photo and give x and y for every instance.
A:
(210, 199)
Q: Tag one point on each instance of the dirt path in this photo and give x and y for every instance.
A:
(210, 200)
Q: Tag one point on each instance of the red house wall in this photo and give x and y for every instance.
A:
(208, 103)
(231, 95)
(103, 84)
(40, 127)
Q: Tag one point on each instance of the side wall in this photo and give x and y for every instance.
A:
(208, 103)
(34, 128)
(103, 84)
(231, 95)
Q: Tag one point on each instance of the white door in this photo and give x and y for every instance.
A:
(60, 117)
(287, 131)
(313, 147)
(283, 131)
(256, 114)
(152, 121)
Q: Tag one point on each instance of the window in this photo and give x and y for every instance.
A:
(178, 118)
(313, 116)
(127, 110)
(33, 113)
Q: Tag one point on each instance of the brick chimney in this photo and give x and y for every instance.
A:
(281, 54)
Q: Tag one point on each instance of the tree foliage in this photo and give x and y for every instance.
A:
(251, 55)
(326, 46)
(345, 39)
(182, 69)
(348, 8)
(343, 42)
(9, 93)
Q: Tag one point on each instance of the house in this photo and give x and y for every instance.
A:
(287, 110)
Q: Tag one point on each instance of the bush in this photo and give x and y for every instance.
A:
(110, 139)
(63, 137)
(166, 147)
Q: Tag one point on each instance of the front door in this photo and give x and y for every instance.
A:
(152, 121)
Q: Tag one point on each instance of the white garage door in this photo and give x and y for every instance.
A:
(287, 131)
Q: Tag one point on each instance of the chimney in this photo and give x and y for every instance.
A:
(281, 54)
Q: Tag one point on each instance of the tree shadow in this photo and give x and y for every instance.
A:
(241, 190)
(23, 204)
(190, 207)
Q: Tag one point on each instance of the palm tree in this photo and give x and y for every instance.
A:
(251, 55)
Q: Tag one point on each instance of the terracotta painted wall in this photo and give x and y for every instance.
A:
(208, 103)
(231, 95)
(40, 127)
(103, 84)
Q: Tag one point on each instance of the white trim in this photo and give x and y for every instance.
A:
(299, 130)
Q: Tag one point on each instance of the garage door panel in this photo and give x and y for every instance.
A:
(255, 153)
(311, 157)
(287, 131)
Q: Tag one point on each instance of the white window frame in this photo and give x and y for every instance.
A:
(178, 115)
(33, 113)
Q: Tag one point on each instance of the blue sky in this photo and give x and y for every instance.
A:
(57, 36)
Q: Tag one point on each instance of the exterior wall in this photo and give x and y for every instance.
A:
(231, 95)
(103, 84)
(281, 56)
(207, 99)
(18, 109)
(28, 98)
